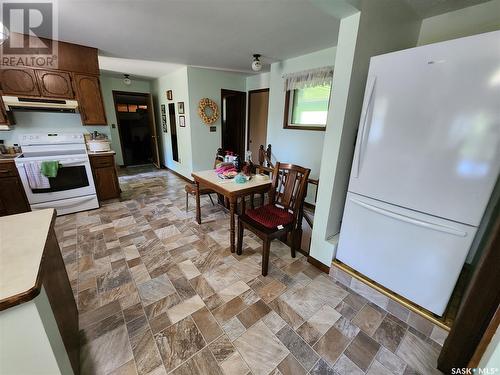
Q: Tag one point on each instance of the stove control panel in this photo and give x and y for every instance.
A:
(51, 139)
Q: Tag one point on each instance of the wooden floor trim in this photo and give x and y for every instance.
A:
(396, 297)
(180, 176)
(316, 263)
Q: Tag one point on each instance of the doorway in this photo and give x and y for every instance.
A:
(233, 121)
(173, 132)
(137, 128)
(258, 105)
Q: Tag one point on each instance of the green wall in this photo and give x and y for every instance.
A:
(176, 81)
(302, 147)
(476, 19)
(207, 83)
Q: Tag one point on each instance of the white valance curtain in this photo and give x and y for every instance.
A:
(308, 78)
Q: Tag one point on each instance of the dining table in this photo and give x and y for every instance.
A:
(231, 190)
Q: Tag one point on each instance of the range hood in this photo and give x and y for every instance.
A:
(13, 103)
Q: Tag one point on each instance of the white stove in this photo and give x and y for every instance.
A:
(73, 189)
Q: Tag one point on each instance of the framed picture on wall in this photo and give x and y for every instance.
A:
(182, 121)
(164, 123)
(170, 96)
(180, 108)
(163, 112)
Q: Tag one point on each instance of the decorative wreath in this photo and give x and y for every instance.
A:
(208, 111)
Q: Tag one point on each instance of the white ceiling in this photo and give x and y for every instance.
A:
(116, 66)
(210, 33)
(221, 34)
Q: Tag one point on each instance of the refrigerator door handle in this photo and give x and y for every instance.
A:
(364, 117)
(425, 224)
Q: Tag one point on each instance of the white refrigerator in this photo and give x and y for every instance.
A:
(426, 161)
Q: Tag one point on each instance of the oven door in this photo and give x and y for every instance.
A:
(74, 179)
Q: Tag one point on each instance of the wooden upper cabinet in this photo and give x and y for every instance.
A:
(19, 82)
(89, 96)
(70, 57)
(54, 84)
(5, 119)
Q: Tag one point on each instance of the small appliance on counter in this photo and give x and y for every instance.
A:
(97, 142)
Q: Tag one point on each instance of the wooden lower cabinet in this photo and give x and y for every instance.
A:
(12, 197)
(105, 176)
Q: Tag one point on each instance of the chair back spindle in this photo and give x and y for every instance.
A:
(289, 186)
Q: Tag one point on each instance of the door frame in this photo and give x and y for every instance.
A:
(223, 94)
(151, 119)
(249, 111)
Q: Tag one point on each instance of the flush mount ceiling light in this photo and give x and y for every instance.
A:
(256, 64)
(127, 80)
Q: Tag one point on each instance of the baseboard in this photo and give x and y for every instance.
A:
(179, 175)
(316, 263)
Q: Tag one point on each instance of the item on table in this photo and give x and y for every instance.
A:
(226, 170)
(240, 179)
(237, 163)
(230, 157)
(261, 177)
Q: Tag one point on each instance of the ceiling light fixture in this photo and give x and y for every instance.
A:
(127, 80)
(256, 64)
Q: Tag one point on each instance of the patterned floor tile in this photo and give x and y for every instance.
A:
(260, 358)
(179, 342)
(157, 292)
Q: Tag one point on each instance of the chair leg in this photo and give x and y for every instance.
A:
(252, 196)
(211, 200)
(293, 243)
(239, 244)
(187, 201)
(265, 256)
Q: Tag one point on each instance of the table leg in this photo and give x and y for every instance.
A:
(198, 209)
(232, 206)
(243, 205)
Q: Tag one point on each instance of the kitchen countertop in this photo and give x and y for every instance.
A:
(21, 255)
(8, 157)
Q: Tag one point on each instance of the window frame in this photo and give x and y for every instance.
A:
(287, 117)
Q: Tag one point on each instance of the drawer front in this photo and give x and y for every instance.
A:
(8, 169)
(102, 161)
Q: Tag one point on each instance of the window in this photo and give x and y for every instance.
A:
(307, 98)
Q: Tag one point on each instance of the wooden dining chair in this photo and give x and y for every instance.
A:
(191, 188)
(280, 216)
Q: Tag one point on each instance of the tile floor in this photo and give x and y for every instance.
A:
(159, 294)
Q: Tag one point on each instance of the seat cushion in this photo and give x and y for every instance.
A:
(270, 216)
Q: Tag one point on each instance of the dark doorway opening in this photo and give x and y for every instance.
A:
(137, 129)
(233, 121)
(173, 132)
